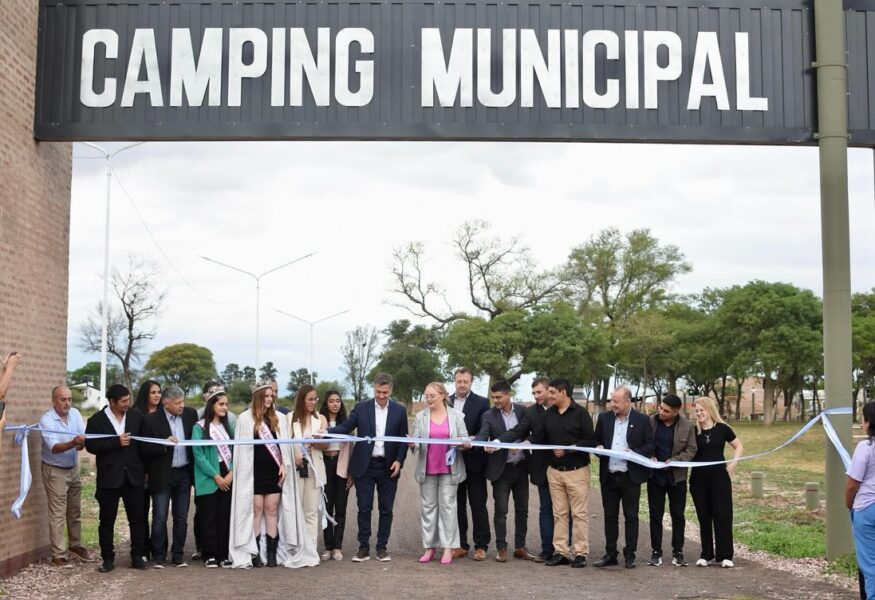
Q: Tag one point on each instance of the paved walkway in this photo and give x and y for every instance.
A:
(404, 577)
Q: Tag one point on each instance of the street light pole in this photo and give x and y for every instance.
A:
(104, 316)
(312, 325)
(257, 279)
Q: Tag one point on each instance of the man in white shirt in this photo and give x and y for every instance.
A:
(60, 473)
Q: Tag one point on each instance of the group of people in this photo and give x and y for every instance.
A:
(261, 503)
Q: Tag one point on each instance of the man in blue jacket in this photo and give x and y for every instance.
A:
(376, 465)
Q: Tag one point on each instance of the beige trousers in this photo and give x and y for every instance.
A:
(569, 491)
(64, 493)
(311, 495)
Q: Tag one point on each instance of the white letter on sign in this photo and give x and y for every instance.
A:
(316, 69)
(707, 54)
(195, 78)
(485, 95)
(653, 73)
(743, 100)
(237, 69)
(143, 51)
(365, 68)
(87, 95)
(611, 42)
(533, 66)
(447, 79)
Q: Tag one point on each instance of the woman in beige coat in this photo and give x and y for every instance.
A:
(309, 466)
(439, 472)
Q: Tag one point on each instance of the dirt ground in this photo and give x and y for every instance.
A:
(405, 577)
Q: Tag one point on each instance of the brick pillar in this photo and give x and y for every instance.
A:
(34, 253)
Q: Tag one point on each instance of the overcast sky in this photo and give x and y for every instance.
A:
(737, 213)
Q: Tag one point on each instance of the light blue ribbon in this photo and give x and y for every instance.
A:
(21, 432)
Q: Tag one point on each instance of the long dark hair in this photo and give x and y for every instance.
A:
(323, 409)
(210, 413)
(300, 413)
(142, 401)
(868, 413)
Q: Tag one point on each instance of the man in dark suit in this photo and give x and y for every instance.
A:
(507, 471)
(376, 464)
(473, 489)
(171, 472)
(119, 474)
(536, 460)
(622, 429)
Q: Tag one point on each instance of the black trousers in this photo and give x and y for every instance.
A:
(711, 489)
(107, 500)
(336, 496)
(677, 502)
(376, 476)
(214, 521)
(617, 488)
(514, 480)
(147, 502)
(473, 490)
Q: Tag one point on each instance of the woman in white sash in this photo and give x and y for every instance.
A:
(309, 465)
(279, 515)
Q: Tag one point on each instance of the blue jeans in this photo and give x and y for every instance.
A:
(545, 518)
(177, 491)
(863, 526)
(376, 475)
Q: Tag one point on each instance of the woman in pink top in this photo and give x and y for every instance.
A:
(438, 472)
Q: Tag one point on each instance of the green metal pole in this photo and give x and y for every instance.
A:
(832, 136)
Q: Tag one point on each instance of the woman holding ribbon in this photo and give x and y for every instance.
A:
(309, 466)
(438, 472)
(337, 480)
(711, 486)
(267, 521)
(212, 479)
(860, 499)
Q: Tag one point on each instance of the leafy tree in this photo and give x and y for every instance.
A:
(863, 341)
(231, 373)
(359, 356)
(90, 373)
(614, 276)
(324, 386)
(777, 327)
(412, 355)
(185, 365)
(138, 299)
(249, 374)
(268, 371)
(239, 392)
(298, 378)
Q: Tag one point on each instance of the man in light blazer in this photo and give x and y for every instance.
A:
(473, 489)
(376, 464)
(622, 429)
(507, 470)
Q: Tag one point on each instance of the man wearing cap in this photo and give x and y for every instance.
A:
(62, 440)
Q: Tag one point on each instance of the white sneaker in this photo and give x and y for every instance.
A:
(701, 563)
(727, 564)
(326, 555)
(337, 555)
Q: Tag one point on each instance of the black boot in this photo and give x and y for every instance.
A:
(272, 543)
(256, 560)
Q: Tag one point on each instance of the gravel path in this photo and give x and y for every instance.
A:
(755, 575)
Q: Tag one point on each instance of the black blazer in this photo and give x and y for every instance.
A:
(492, 428)
(639, 437)
(158, 459)
(533, 420)
(363, 419)
(475, 407)
(114, 463)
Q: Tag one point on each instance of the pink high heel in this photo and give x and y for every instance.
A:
(428, 556)
(445, 560)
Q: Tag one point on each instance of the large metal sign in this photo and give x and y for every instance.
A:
(731, 71)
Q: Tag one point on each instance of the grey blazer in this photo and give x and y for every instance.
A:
(457, 429)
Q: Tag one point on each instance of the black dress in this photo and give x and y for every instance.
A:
(265, 471)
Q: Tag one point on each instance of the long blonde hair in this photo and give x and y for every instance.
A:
(441, 389)
(710, 407)
(260, 411)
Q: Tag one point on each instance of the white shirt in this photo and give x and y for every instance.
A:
(381, 415)
(618, 465)
(459, 403)
(74, 426)
(119, 427)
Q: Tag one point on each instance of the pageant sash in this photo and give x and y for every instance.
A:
(265, 434)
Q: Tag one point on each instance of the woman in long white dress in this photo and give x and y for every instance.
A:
(293, 546)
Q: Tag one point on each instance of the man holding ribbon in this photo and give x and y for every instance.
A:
(60, 472)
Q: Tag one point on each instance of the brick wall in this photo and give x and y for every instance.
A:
(34, 248)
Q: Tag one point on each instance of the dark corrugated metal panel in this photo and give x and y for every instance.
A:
(860, 36)
(781, 37)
